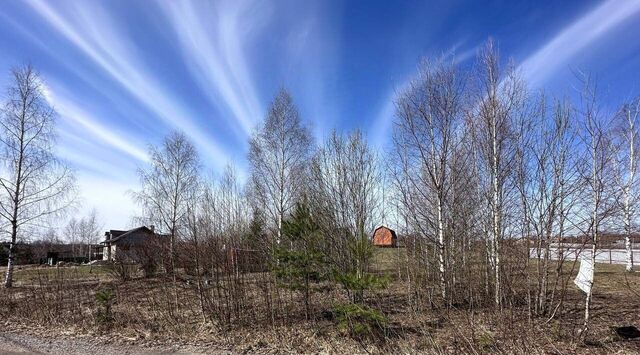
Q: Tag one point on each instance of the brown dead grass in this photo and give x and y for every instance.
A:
(64, 302)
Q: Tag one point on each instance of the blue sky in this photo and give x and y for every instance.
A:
(124, 73)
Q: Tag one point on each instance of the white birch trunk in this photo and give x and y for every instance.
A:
(8, 280)
(627, 195)
(441, 251)
(594, 238)
(496, 215)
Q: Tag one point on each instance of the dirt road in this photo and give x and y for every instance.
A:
(18, 343)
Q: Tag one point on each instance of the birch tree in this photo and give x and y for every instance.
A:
(72, 235)
(278, 154)
(169, 183)
(89, 231)
(628, 169)
(427, 133)
(34, 183)
(547, 181)
(83, 232)
(345, 185)
(597, 173)
(501, 99)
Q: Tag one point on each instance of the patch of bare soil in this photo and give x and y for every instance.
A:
(29, 342)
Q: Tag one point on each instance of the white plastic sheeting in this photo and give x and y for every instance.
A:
(584, 280)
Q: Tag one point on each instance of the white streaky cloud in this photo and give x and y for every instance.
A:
(81, 162)
(93, 32)
(541, 64)
(463, 56)
(314, 102)
(73, 113)
(311, 42)
(70, 65)
(381, 129)
(576, 37)
(212, 38)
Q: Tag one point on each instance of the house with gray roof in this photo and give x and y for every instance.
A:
(128, 245)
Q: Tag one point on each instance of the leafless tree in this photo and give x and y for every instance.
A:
(224, 211)
(218, 227)
(501, 98)
(279, 152)
(35, 184)
(466, 218)
(627, 134)
(168, 185)
(89, 231)
(346, 188)
(194, 223)
(427, 134)
(233, 210)
(72, 235)
(548, 183)
(83, 232)
(597, 173)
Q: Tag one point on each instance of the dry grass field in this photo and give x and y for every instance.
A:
(49, 300)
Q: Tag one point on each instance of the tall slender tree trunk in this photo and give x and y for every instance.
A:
(629, 246)
(496, 257)
(587, 306)
(628, 230)
(173, 267)
(199, 276)
(489, 259)
(627, 202)
(560, 248)
(496, 227)
(441, 251)
(279, 238)
(594, 238)
(8, 281)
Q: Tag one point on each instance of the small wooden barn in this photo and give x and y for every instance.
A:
(385, 237)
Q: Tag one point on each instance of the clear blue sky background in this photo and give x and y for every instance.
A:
(124, 73)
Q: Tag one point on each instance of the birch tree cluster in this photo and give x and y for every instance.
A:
(489, 184)
(501, 182)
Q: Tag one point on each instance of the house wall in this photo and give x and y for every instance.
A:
(383, 237)
(105, 254)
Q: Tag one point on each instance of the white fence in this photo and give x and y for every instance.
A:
(603, 256)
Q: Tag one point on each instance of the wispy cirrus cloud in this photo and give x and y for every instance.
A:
(91, 30)
(212, 37)
(100, 177)
(75, 114)
(539, 66)
(88, 132)
(575, 37)
(313, 58)
(381, 130)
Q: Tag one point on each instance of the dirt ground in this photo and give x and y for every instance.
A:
(12, 342)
